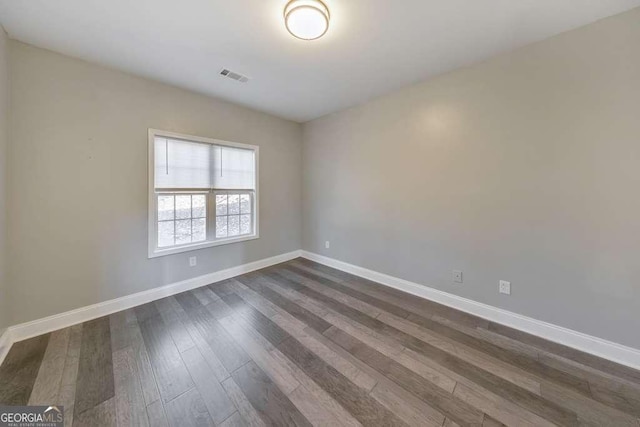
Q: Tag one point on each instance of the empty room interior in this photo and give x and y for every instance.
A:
(319, 213)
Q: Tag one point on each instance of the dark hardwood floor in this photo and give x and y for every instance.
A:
(303, 344)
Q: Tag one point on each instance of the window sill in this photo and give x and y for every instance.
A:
(188, 248)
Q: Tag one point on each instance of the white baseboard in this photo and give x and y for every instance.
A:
(5, 344)
(52, 323)
(597, 346)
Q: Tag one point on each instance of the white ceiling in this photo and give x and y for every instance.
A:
(372, 47)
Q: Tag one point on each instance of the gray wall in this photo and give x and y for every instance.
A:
(78, 187)
(4, 140)
(524, 168)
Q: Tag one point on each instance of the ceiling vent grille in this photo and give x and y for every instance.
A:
(234, 76)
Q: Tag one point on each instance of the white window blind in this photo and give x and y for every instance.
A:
(181, 165)
(233, 168)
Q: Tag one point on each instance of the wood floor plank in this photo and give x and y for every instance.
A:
(20, 368)
(234, 420)
(333, 304)
(225, 348)
(300, 343)
(125, 332)
(67, 392)
(257, 320)
(47, 385)
(279, 374)
(568, 352)
(326, 406)
(522, 362)
(257, 280)
(172, 376)
(623, 397)
(375, 290)
(413, 406)
(548, 409)
(267, 399)
(589, 411)
(280, 273)
(268, 308)
(512, 373)
(265, 306)
(129, 403)
(214, 396)
(204, 295)
(212, 359)
(314, 402)
(146, 311)
(122, 325)
(361, 406)
(188, 410)
(102, 415)
(346, 368)
(533, 402)
(620, 393)
(310, 404)
(174, 325)
(157, 415)
(447, 404)
(295, 310)
(413, 415)
(223, 287)
(499, 408)
(219, 309)
(95, 370)
(188, 301)
(249, 414)
(361, 296)
(410, 302)
(491, 422)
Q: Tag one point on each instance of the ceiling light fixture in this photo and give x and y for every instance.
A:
(306, 19)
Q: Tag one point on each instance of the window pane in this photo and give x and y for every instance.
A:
(245, 224)
(199, 205)
(165, 234)
(183, 232)
(183, 206)
(221, 204)
(199, 230)
(221, 226)
(245, 203)
(165, 208)
(234, 204)
(234, 225)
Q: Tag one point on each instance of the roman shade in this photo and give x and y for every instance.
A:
(189, 165)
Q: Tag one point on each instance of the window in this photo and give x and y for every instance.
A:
(202, 193)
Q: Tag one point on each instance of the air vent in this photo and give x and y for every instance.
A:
(234, 76)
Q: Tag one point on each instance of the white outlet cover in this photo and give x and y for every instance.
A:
(193, 261)
(504, 287)
(327, 244)
(457, 276)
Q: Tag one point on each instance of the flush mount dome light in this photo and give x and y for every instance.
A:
(306, 19)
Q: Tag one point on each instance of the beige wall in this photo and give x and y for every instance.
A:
(524, 168)
(78, 188)
(4, 140)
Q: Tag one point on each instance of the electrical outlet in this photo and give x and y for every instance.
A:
(457, 276)
(193, 261)
(327, 244)
(504, 287)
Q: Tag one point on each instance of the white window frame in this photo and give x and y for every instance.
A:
(153, 250)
